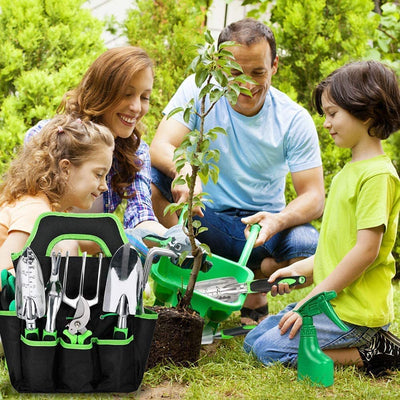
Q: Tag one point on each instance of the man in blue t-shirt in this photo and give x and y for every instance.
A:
(268, 135)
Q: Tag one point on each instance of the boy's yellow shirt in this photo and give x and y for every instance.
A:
(365, 194)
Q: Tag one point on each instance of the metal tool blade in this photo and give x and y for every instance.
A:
(208, 335)
(122, 280)
(225, 290)
(54, 293)
(29, 289)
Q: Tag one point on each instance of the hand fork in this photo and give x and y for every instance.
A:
(72, 302)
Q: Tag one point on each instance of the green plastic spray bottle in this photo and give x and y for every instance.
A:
(312, 363)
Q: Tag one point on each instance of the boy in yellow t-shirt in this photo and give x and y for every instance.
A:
(361, 103)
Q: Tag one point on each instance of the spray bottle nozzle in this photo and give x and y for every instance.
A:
(320, 303)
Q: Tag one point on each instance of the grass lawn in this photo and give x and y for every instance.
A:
(226, 372)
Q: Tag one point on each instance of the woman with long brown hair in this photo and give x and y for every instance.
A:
(115, 92)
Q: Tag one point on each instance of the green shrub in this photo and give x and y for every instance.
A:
(45, 47)
(167, 31)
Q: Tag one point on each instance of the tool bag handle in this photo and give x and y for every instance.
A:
(52, 227)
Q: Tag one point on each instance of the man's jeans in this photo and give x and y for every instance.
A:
(225, 234)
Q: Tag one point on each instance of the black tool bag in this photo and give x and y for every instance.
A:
(102, 365)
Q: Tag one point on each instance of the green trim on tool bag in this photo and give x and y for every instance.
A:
(102, 227)
(77, 346)
(149, 314)
(114, 342)
(8, 313)
(81, 236)
(39, 343)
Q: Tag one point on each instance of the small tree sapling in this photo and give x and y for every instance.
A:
(213, 69)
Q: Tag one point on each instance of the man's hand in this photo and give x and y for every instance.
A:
(269, 222)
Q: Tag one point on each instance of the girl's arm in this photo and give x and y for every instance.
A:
(14, 243)
(353, 264)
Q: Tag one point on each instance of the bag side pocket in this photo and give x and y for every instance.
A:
(116, 366)
(75, 367)
(10, 331)
(38, 365)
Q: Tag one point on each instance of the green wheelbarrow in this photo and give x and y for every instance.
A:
(169, 279)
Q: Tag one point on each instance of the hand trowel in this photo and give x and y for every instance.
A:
(228, 289)
(121, 291)
(30, 301)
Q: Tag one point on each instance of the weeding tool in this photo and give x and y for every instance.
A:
(227, 289)
(123, 286)
(208, 336)
(30, 298)
(54, 297)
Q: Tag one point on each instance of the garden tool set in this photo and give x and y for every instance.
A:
(79, 324)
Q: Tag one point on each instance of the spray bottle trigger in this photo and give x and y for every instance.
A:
(327, 309)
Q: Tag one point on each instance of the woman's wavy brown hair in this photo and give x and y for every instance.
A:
(36, 168)
(101, 90)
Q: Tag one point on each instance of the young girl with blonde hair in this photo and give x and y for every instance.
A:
(63, 167)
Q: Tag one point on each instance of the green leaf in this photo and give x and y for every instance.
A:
(205, 248)
(215, 95)
(174, 111)
(208, 37)
(224, 45)
(178, 181)
(205, 90)
(219, 130)
(214, 175)
(245, 91)
(182, 257)
(194, 63)
(201, 77)
(186, 115)
(225, 54)
(196, 223)
(173, 208)
(179, 164)
(232, 97)
(220, 77)
(202, 229)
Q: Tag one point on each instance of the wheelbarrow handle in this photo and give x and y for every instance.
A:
(181, 221)
(248, 247)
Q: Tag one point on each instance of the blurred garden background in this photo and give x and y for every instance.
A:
(47, 45)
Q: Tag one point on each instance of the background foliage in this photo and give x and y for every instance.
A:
(168, 31)
(47, 45)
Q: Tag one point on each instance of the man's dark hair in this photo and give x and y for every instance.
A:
(247, 32)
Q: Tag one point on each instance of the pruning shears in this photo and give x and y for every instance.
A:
(77, 333)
